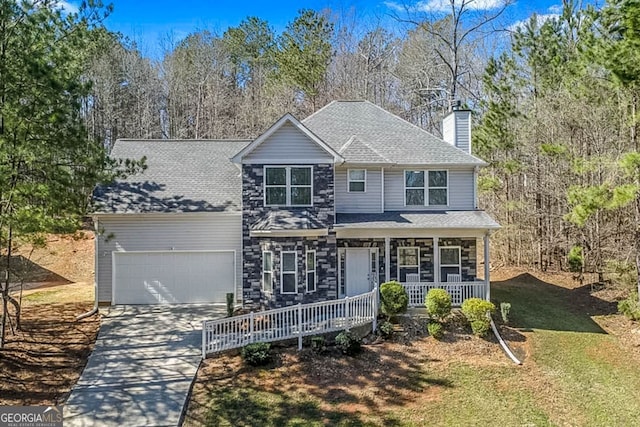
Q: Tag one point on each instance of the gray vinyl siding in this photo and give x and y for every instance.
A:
(157, 232)
(456, 130)
(288, 145)
(368, 202)
(460, 190)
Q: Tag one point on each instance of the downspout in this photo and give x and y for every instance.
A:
(503, 344)
(94, 310)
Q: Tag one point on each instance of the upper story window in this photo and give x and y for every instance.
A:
(357, 179)
(288, 185)
(432, 191)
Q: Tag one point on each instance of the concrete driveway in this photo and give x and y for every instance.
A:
(142, 366)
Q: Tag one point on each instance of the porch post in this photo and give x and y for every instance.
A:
(387, 259)
(486, 266)
(436, 260)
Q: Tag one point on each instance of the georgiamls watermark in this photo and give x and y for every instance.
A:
(30, 416)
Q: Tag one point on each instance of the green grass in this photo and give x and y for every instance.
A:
(575, 374)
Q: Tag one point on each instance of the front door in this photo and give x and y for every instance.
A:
(358, 271)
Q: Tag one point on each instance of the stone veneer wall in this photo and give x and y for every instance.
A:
(367, 243)
(253, 210)
(468, 256)
(426, 257)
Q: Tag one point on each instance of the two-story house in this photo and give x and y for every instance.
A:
(309, 211)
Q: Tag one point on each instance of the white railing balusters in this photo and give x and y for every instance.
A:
(289, 322)
(459, 291)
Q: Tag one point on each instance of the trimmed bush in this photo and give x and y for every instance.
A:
(438, 303)
(318, 344)
(385, 329)
(475, 310)
(435, 330)
(348, 343)
(393, 299)
(505, 308)
(257, 354)
(630, 307)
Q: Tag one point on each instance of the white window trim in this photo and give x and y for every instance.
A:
(265, 288)
(282, 272)
(409, 266)
(349, 180)
(426, 187)
(307, 271)
(287, 185)
(459, 264)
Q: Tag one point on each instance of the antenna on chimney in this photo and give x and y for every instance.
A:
(457, 104)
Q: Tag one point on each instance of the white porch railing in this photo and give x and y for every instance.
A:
(289, 322)
(459, 291)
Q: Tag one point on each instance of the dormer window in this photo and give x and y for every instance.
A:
(430, 192)
(288, 185)
(357, 180)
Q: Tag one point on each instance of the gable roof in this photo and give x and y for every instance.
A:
(287, 118)
(181, 176)
(391, 138)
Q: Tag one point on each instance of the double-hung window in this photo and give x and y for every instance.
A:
(357, 180)
(289, 273)
(426, 188)
(288, 185)
(449, 261)
(408, 262)
(311, 271)
(267, 271)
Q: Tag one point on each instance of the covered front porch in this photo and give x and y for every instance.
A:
(421, 258)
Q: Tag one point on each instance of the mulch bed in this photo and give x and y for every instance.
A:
(42, 362)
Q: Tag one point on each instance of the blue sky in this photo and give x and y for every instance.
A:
(149, 22)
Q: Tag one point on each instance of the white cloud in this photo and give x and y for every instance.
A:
(66, 6)
(541, 19)
(444, 5)
(555, 9)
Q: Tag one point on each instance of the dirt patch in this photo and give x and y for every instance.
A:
(42, 362)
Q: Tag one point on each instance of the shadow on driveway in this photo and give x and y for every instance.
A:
(142, 366)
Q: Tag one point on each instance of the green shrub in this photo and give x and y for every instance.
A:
(435, 329)
(231, 299)
(438, 303)
(257, 354)
(348, 343)
(475, 310)
(318, 344)
(575, 259)
(393, 299)
(505, 308)
(385, 329)
(630, 307)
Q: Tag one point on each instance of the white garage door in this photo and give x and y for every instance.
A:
(173, 277)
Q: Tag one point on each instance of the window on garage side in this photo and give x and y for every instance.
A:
(288, 273)
(311, 271)
(408, 262)
(357, 180)
(267, 271)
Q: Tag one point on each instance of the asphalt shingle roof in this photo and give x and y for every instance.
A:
(418, 219)
(391, 138)
(181, 176)
(288, 220)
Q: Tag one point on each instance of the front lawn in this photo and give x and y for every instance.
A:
(574, 373)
